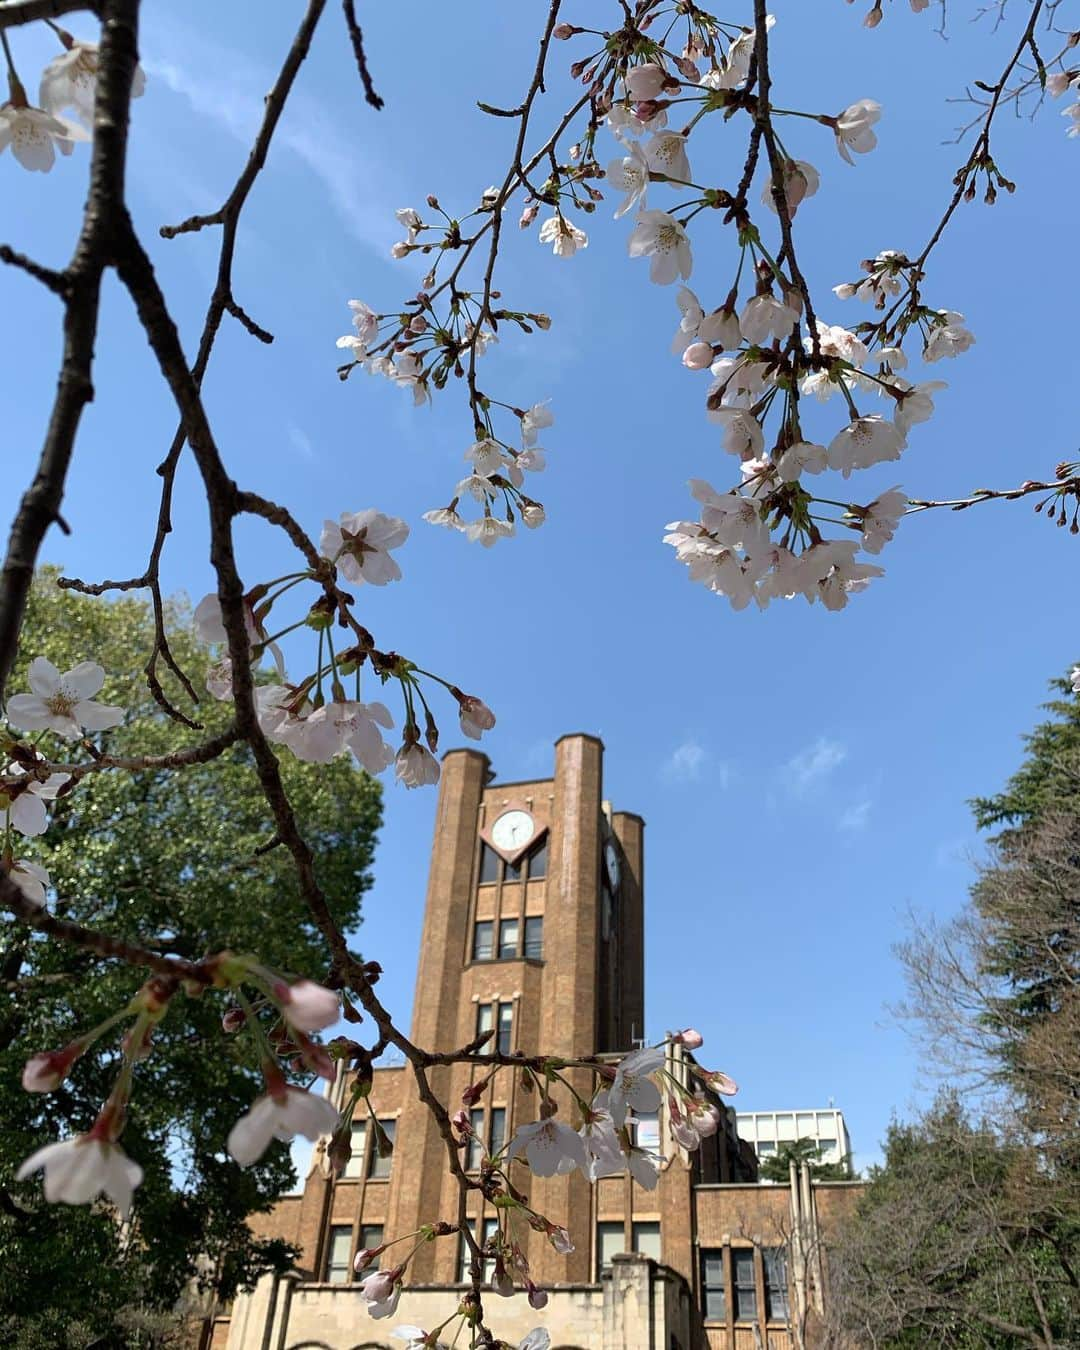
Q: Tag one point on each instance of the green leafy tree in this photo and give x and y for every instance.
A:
(776, 1167)
(183, 862)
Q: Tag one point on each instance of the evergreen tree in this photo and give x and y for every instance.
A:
(175, 860)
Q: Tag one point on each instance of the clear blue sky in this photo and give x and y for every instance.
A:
(803, 774)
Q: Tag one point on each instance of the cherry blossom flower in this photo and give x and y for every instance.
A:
(948, 337)
(307, 1005)
(78, 1170)
(477, 486)
(365, 320)
(689, 1038)
(632, 1087)
(630, 175)
(1074, 677)
(765, 316)
(881, 517)
(802, 457)
(854, 128)
(866, 441)
(646, 81)
(476, 717)
(316, 739)
(70, 79)
(280, 1114)
(916, 403)
(488, 530)
(565, 238)
(666, 154)
(801, 180)
(416, 766)
(22, 801)
(366, 1256)
(644, 1167)
(692, 315)
(446, 516)
(660, 236)
(537, 1339)
(604, 1157)
(412, 1336)
(535, 419)
(381, 1292)
(360, 545)
(63, 703)
(720, 328)
(486, 456)
(31, 878)
(35, 135)
(549, 1146)
(742, 432)
(533, 515)
(733, 519)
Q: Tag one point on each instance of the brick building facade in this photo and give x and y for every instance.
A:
(533, 929)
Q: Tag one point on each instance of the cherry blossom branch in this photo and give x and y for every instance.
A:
(1061, 487)
(15, 12)
(356, 37)
(105, 206)
(89, 939)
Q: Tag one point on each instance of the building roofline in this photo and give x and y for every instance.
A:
(634, 815)
(465, 750)
(580, 735)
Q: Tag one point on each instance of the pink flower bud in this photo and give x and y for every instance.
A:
(401, 250)
(720, 1082)
(460, 1121)
(562, 31)
(48, 1069)
(690, 1038)
(529, 215)
(366, 1257)
(233, 1019)
(537, 1297)
(307, 1005)
(561, 1240)
(697, 356)
(379, 1287)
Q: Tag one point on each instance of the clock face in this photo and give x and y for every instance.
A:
(611, 865)
(513, 830)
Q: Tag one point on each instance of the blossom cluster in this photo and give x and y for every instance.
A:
(68, 84)
(765, 349)
(359, 546)
(79, 1169)
(440, 335)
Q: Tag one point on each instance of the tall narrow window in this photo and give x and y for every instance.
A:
(489, 865)
(483, 939)
(380, 1166)
(338, 1251)
(358, 1142)
(512, 872)
(476, 1140)
(745, 1301)
(609, 1240)
(506, 1026)
(465, 1252)
(497, 1130)
(647, 1239)
(534, 939)
(538, 861)
(484, 1018)
(370, 1238)
(713, 1302)
(647, 1131)
(508, 939)
(776, 1285)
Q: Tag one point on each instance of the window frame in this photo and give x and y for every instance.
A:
(496, 1139)
(464, 1254)
(741, 1292)
(531, 949)
(338, 1230)
(474, 1154)
(510, 924)
(611, 1227)
(504, 1028)
(356, 1167)
(376, 1162)
(713, 1287)
(776, 1279)
(477, 952)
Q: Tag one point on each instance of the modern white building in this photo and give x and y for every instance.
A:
(766, 1131)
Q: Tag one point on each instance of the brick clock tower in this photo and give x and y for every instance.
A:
(533, 929)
